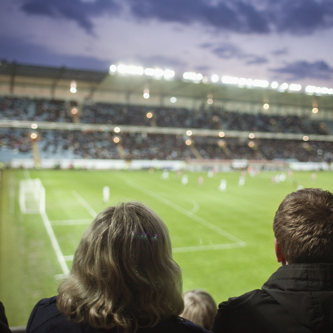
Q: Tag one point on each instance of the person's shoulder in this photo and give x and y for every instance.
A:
(179, 324)
(239, 300)
(46, 315)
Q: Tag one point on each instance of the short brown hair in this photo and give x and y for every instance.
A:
(303, 226)
(200, 308)
(123, 274)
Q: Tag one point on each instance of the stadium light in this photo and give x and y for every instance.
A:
(189, 133)
(112, 69)
(251, 135)
(266, 106)
(188, 142)
(173, 100)
(221, 134)
(169, 74)
(295, 87)
(283, 87)
(318, 90)
(73, 89)
(305, 138)
(274, 85)
(34, 126)
(116, 129)
(221, 143)
(146, 94)
(214, 78)
(191, 76)
(314, 110)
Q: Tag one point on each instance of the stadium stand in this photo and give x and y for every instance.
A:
(89, 144)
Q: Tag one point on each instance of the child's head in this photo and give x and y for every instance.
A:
(200, 307)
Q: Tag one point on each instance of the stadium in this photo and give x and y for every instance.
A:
(167, 140)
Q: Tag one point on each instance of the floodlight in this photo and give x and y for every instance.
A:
(169, 74)
(214, 78)
(73, 89)
(158, 72)
(283, 86)
(189, 133)
(229, 80)
(221, 134)
(260, 83)
(295, 87)
(112, 69)
(149, 71)
(274, 85)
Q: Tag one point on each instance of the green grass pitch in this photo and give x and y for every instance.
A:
(223, 241)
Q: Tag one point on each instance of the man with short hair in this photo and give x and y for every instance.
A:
(298, 297)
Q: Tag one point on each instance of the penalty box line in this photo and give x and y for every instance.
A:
(237, 242)
(53, 238)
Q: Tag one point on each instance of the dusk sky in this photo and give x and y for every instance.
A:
(284, 40)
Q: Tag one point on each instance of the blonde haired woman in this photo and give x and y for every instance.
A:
(123, 280)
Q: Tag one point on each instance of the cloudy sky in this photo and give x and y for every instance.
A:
(284, 40)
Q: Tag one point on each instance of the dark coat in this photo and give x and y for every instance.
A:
(3, 320)
(296, 298)
(46, 318)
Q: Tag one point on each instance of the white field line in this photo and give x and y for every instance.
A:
(198, 219)
(69, 258)
(70, 222)
(52, 237)
(27, 174)
(205, 248)
(55, 244)
(195, 207)
(85, 204)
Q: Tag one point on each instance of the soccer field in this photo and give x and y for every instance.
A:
(222, 240)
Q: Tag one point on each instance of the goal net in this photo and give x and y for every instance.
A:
(32, 196)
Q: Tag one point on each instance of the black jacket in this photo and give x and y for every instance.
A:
(296, 298)
(3, 320)
(46, 318)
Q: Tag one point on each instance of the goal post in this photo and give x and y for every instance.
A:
(32, 196)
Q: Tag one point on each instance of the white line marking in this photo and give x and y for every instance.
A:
(70, 222)
(189, 214)
(55, 243)
(204, 248)
(195, 207)
(85, 204)
(27, 174)
(69, 258)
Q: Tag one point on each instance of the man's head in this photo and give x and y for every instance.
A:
(303, 227)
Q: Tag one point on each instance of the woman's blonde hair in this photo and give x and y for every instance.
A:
(200, 308)
(123, 273)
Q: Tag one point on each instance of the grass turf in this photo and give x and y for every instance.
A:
(201, 221)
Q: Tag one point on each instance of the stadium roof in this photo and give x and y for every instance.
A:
(14, 75)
